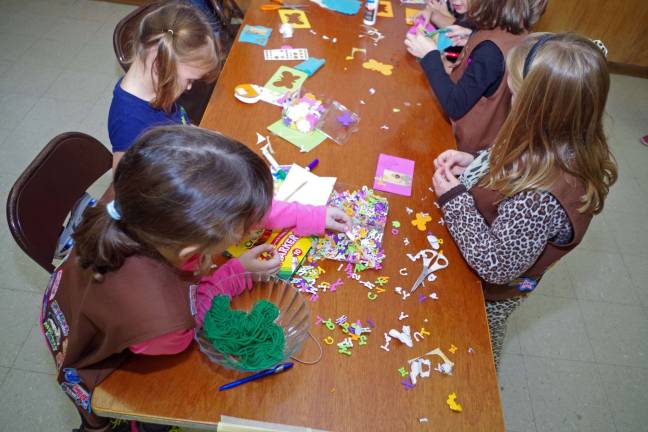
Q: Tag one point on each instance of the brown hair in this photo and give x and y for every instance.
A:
(556, 121)
(514, 16)
(176, 186)
(179, 33)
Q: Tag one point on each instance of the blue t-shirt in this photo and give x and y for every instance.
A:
(129, 116)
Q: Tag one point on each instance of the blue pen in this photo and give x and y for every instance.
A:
(275, 370)
(312, 165)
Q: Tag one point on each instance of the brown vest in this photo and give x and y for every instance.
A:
(89, 325)
(567, 191)
(477, 129)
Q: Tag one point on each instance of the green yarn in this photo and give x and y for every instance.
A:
(248, 341)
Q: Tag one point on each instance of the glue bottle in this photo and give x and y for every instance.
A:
(369, 17)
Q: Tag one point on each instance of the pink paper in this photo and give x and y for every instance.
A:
(419, 23)
(394, 175)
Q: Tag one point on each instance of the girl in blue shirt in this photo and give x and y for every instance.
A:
(173, 47)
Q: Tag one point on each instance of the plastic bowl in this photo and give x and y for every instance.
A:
(294, 318)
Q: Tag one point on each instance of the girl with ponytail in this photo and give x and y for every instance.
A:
(140, 277)
(174, 45)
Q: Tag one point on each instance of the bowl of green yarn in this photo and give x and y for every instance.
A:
(256, 330)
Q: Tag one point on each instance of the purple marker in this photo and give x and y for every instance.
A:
(312, 165)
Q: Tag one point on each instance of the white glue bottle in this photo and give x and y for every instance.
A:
(369, 17)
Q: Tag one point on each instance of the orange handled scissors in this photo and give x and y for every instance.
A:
(279, 4)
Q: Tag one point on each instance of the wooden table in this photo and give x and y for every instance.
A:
(364, 391)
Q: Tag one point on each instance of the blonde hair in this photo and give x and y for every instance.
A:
(179, 33)
(556, 121)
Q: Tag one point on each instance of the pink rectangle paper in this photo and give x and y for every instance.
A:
(394, 175)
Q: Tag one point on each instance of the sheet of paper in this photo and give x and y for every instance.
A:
(286, 54)
(286, 79)
(311, 65)
(385, 9)
(304, 141)
(257, 35)
(311, 189)
(296, 18)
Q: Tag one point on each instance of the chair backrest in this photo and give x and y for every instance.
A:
(193, 101)
(46, 191)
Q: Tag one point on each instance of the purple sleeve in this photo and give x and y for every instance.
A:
(229, 279)
(303, 219)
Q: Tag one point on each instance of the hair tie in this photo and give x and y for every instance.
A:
(534, 49)
(113, 211)
(170, 31)
(600, 45)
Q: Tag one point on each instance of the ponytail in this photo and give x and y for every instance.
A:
(101, 243)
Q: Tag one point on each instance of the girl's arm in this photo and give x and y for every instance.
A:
(511, 245)
(228, 279)
(304, 219)
(482, 77)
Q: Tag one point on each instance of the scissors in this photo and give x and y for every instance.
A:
(279, 4)
(429, 267)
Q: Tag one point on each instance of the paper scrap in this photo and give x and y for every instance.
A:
(311, 65)
(453, 404)
(304, 141)
(385, 9)
(315, 192)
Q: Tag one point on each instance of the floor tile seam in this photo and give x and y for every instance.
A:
(528, 386)
(635, 283)
(33, 371)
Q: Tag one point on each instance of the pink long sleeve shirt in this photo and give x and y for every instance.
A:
(228, 279)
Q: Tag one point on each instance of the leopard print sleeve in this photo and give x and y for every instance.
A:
(505, 250)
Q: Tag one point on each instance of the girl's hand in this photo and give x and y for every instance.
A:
(419, 45)
(337, 220)
(254, 263)
(443, 180)
(456, 161)
(459, 35)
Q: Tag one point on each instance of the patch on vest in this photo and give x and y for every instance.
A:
(52, 332)
(55, 281)
(524, 284)
(60, 318)
(78, 394)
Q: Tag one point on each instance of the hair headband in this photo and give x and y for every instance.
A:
(170, 31)
(534, 49)
(113, 210)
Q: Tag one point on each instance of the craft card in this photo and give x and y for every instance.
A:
(363, 244)
(304, 141)
(310, 66)
(286, 54)
(304, 187)
(385, 9)
(348, 7)
(413, 2)
(296, 18)
(286, 79)
(394, 174)
(257, 35)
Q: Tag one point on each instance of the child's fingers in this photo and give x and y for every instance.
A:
(258, 250)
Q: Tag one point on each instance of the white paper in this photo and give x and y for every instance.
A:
(316, 191)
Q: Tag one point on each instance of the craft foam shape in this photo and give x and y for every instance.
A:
(257, 35)
(260, 138)
(403, 336)
(421, 221)
(410, 15)
(348, 7)
(417, 369)
(286, 79)
(385, 9)
(453, 404)
(375, 65)
(437, 352)
(296, 18)
(355, 50)
(310, 66)
(434, 241)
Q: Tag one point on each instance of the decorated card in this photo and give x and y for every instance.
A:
(296, 18)
(394, 174)
(257, 35)
(286, 79)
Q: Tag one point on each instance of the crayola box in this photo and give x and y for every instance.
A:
(291, 248)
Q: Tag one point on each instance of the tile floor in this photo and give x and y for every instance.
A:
(577, 352)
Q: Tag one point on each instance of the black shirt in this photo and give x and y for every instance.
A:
(482, 77)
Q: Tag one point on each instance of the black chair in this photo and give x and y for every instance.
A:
(41, 198)
(195, 100)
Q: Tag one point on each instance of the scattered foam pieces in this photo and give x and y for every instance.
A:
(372, 91)
(409, 210)
(362, 102)
(328, 340)
(421, 221)
(354, 51)
(260, 138)
(384, 127)
(403, 271)
(332, 389)
(406, 241)
(403, 372)
(434, 296)
(423, 420)
(453, 404)
(396, 110)
(402, 316)
(452, 349)
(396, 224)
(470, 350)
(375, 65)
(441, 222)
(387, 341)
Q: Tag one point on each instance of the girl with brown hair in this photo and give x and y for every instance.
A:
(174, 46)
(519, 207)
(140, 277)
(473, 92)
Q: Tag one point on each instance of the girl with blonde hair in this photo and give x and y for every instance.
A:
(519, 207)
(174, 46)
